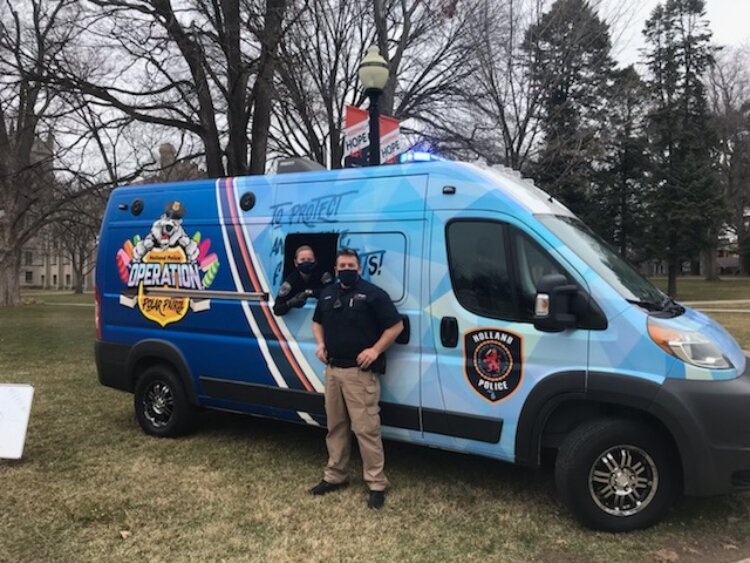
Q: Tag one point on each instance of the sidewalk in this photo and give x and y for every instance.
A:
(717, 302)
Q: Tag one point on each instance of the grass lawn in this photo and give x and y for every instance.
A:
(695, 288)
(236, 489)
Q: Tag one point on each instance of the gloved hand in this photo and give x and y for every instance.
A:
(300, 299)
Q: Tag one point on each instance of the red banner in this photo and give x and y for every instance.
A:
(356, 134)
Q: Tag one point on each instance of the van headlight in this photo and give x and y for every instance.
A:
(689, 346)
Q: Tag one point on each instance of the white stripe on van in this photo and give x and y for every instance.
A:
(307, 418)
(245, 305)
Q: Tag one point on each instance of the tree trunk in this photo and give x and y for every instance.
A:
(237, 86)
(10, 289)
(672, 266)
(744, 252)
(78, 277)
(263, 89)
(710, 264)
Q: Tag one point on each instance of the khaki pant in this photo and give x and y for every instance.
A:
(352, 397)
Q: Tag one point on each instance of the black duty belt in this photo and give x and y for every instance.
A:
(342, 363)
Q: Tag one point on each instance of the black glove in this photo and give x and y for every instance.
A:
(300, 299)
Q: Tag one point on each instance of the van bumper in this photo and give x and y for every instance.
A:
(112, 365)
(710, 421)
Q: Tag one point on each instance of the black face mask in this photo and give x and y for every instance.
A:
(306, 267)
(348, 277)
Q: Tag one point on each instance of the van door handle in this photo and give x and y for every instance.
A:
(403, 337)
(449, 332)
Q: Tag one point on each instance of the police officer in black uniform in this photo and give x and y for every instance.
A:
(354, 324)
(302, 283)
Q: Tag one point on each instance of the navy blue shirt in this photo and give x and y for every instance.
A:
(354, 319)
(293, 285)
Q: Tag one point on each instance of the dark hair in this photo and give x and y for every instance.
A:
(348, 252)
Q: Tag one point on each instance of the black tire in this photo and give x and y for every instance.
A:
(616, 475)
(161, 404)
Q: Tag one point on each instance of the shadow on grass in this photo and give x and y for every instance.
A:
(434, 466)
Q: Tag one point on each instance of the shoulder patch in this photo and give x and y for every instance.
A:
(326, 278)
(286, 287)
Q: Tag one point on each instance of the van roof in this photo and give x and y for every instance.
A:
(507, 181)
(510, 182)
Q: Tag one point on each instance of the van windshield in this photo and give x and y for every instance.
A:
(612, 267)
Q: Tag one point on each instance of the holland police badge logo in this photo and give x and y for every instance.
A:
(493, 362)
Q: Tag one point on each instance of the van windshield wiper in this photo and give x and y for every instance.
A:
(648, 305)
(669, 305)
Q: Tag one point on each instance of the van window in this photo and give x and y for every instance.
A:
(323, 245)
(495, 267)
(532, 262)
(478, 266)
(603, 259)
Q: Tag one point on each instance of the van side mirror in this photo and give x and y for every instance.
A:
(553, 311)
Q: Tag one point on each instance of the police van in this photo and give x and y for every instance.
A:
(524, 332)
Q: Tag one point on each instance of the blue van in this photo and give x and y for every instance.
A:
(524, 332)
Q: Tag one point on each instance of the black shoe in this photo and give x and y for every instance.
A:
(376, 500)
(324, 487)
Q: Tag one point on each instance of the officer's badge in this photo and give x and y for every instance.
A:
(493, 362)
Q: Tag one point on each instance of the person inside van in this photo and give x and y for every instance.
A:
(305, 281)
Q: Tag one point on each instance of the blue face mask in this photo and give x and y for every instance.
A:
(306, 267)
(348, 277)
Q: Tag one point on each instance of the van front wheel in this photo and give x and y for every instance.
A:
(616, 475)
(161, 405)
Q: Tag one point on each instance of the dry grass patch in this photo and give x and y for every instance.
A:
(738, 325)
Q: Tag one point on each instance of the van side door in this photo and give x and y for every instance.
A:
(488, 355)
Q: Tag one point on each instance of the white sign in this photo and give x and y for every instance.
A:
(356, 137)
(15, 408)
(390, 145)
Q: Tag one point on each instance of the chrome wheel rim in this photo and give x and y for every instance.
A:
(158, 404)
(623, 480)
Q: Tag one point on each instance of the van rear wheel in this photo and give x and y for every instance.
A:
(161, 405)
(616, 475)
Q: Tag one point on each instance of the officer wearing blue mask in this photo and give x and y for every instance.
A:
(354, 323)
(302, 283)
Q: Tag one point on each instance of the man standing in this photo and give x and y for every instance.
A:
(354, 324)
(302, 283)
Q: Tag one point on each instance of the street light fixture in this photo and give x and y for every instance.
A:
(373, 73)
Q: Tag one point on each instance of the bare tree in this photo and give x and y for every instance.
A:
(55, 147)
(496, 114)
(320, 55)
(29, 192)
(187, 66)
(729, 98)
(75, 229)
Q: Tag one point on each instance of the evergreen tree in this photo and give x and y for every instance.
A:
(684, 200)
(569, 53)
(620, 183)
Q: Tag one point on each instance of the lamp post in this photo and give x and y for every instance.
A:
(373, 73)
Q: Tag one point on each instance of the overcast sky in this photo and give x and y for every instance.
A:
(729, 19)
